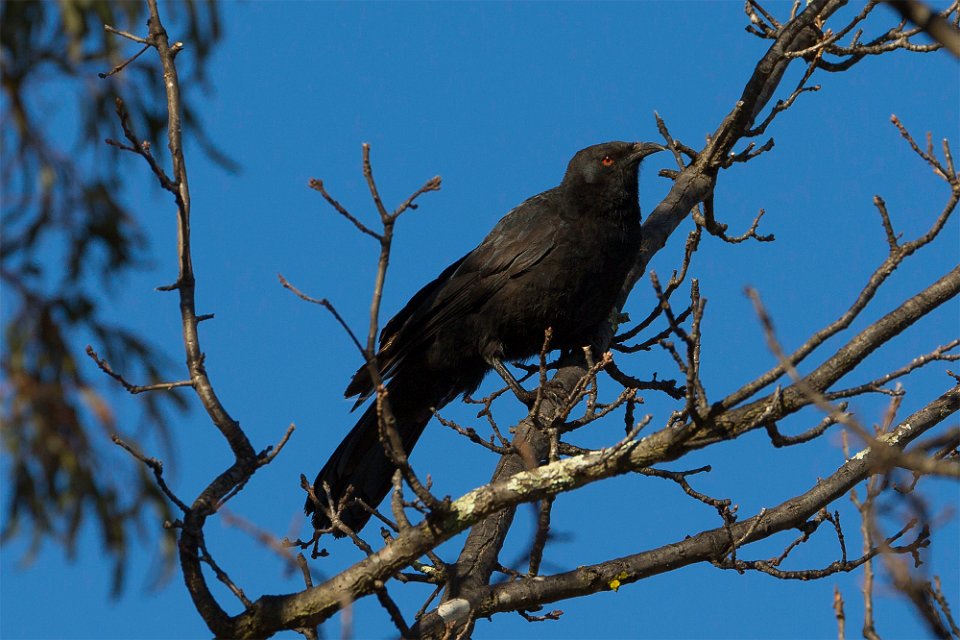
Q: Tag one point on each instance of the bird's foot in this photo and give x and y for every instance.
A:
(551, 391)
(524, 396)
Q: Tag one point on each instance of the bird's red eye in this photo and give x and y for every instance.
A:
(607, 161)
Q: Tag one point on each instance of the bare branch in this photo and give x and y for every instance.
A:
(471, 434)
(520, 478)
(372, 185)
(157, 467)
(838, 612)
(128, 36)
(120, 67)
(704, 546)
(779, 440)
(936, 592)
(267, 455)
(394, 612)
(326, 304)
(927, 155)
(142, 148)
(222, 575)
(317, 185)
(293, 561)
(668, 387)
(540, 536)
(433, 184)
(552, 615)
(937, 355)
(134, 388)
(935, 25)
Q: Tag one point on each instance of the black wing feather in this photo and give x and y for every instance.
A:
(517, 243)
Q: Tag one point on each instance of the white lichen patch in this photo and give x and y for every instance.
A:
(455, 610)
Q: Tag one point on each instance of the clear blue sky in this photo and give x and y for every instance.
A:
(495, 98)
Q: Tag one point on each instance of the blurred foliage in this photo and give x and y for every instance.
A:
(67, 236)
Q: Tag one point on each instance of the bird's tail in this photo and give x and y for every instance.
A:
(360, 461)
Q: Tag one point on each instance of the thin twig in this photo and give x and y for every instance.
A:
(326, 304)
(317, 185)
(838, 612)
(540, 536)
(157, 467)
(120, 67)
(125, 34)
(134, 388)
(267, 455)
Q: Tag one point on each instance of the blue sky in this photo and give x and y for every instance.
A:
(495, 98)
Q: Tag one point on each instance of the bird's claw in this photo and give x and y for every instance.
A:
(524, 396)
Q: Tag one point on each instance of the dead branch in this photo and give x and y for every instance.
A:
(704, 546)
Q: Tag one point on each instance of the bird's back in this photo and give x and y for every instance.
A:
(583, 256)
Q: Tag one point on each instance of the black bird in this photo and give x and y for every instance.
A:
(558, 260)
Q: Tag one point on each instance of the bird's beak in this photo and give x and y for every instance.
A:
(643, 149)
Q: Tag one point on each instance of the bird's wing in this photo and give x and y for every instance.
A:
(520, 240)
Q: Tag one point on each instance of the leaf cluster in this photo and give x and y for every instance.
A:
(64, 195)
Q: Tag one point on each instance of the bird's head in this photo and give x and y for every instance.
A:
(609, 169)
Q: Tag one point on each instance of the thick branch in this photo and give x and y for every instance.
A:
(732, 423)
(191, 538)
(934, 24)
(522, 594)
(313, 606)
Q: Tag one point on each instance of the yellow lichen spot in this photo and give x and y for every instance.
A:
(615, 583)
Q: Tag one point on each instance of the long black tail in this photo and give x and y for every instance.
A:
(360, 460)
